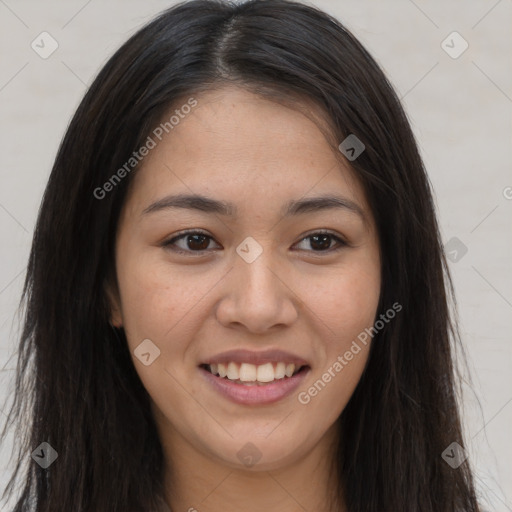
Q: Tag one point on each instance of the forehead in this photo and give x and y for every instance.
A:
(238, 146)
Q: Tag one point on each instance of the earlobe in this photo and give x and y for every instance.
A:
(115, 314)
(116, 319)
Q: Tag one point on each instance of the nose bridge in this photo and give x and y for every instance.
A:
(253, 269)
(258, 297)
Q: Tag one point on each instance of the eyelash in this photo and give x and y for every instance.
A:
(168, 244)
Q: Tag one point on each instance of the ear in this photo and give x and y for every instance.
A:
(114, 303)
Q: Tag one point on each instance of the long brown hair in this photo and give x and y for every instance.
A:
(75, 379)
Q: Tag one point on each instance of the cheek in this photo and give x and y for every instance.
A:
(155, 298)
(353, 313)
(346, 306)
(327, 394)
(345, 300)
(164, 306)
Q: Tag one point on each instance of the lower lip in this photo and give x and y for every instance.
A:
(254, 394)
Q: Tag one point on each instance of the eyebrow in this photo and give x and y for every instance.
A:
(292, 208)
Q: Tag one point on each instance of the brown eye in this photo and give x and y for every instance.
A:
(321, 242)
(190, 242)
(197, 242)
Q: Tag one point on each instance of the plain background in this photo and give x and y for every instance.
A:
(460, 110)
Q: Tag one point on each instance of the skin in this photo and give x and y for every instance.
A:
(238, 147)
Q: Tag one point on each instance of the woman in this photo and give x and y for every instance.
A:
(236, 295)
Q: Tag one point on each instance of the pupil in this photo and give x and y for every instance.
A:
(200, 245)
(325, 243)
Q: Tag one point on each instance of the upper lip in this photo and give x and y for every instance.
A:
(256, 358)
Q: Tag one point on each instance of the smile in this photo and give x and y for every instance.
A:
(251, 374)
(254, 378)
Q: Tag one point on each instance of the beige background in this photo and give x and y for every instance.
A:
(460, 110)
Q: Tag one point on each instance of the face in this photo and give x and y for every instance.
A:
(241, 309)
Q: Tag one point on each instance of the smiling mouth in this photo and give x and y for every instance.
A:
(254, 375)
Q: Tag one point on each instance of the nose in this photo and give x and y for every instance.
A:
(258, 296)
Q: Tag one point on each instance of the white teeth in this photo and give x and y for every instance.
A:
(233, 373)
(221, 369)
(266, 373)
(280, 371)
(246, 372)
(290, 368)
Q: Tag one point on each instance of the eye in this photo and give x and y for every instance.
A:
(192, 241)
(199, 241)
(320, 241)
